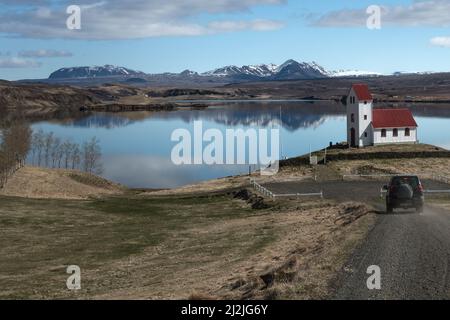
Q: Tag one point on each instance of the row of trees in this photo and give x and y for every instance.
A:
(49, 151)
(15, 140)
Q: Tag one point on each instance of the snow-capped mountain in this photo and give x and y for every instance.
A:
(261, 70)
(292, 69)
(188, 73)
(352, 73)
(403, 73)
(289, 70)
(94, 72)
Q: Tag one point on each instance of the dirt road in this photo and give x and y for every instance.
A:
(412, 250)
(413, 253)
(343, 190)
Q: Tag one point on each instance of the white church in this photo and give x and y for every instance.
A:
(367, 126)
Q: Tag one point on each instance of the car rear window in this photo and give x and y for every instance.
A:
(412, 181)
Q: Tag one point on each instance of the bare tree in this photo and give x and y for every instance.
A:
(66, 150)
(54, 151)
(15, 140)
(48, 143)
(75, 156)
(50, 151)
(38, 143)
(91, 156)
(60, 154)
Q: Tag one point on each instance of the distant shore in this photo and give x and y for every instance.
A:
(39, 100)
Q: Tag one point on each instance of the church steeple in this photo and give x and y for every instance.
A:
(359, 116)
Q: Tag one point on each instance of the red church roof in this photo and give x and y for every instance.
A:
(393, 118)
(362, 92)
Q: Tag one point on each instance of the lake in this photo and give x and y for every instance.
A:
(137, 146)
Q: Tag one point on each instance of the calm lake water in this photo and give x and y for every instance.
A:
(136, 146)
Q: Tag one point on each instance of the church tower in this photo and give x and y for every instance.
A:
(359, 116)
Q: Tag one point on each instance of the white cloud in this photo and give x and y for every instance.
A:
(419, 13)
(256, 25)
(118, 19)
(441, 42)
(14, 62)
(43, 53)
(43, 13)
(24, 2)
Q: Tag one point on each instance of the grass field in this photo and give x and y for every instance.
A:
(194, 242)
(40, 237)
(137, 247)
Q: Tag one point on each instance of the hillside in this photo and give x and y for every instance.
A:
(38, 100)
(40, 183)
(402, 88)
(47, 100)
(41, 99)
(149, 246)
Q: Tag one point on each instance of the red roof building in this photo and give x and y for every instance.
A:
(362, 92)
(393, 118)
(367, 126)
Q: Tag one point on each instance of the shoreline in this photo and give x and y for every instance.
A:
(37, 100)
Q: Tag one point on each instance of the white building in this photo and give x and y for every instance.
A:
(367, 126)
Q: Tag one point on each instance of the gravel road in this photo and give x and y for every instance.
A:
(412, 250)
(343, 190)
(413, 253)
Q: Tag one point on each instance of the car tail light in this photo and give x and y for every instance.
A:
(420, 188)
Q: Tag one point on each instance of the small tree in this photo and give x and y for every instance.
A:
(14, 147)
(91, 156)
(75, 156)
(55, 151)
(40, 146)
(66, 150)
(37, 144)
(48, 144)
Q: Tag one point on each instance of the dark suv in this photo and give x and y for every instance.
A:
(404, 192)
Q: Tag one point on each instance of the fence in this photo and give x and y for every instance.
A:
(422, 175)
(345, 176)
(383, 192)
(272, 195)
(441, 178)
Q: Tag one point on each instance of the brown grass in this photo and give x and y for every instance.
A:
(175, 247)
(32, 182)
(422, 166)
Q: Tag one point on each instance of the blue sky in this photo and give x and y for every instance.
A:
(169, 36)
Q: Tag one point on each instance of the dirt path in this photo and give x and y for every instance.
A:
(413, 252)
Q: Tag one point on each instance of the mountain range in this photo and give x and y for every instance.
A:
(290, 70)
(93, 72)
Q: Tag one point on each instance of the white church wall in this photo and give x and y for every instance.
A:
(352, 108)
(362, 115)
(365, 128)
(401, 138)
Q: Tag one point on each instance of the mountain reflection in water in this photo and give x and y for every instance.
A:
(136, 145)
